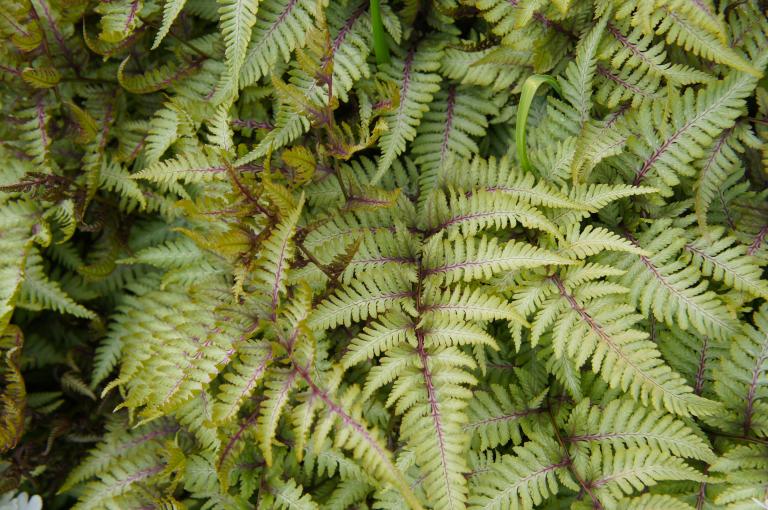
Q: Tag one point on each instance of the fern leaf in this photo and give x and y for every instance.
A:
(462, 215)
(418, 82)
(720, 161)
(456, 115)
(278, 385)
(469, 304)
(360, 300)
(13, 395)
(593, 240)
(237, 20)
(391, 330)
(289, 496)
(682, 30)
(740, 381)
(520, 481)
(623, 356)
(672, 290)
(694, 123)
(625, 423)
(282, 26)
(277, 253)
(40, 293)
(500, 176)
(246, 372)
(171, 10)
(577, 84)
(723, 259)
(467, 260)
(499, 416)
(622, 469)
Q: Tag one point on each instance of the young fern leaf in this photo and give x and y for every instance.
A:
(723, 259)
(282, 26)
(624, 423)
(577, 84)
(447, 262)
(738, 382)
(418, 82)
(456, 115)
(523, 480)
(584, 326)
(237, 20)
(672, 290)
(171, 10)
(695, 122)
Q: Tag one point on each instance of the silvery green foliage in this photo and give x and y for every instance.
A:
(243, 264)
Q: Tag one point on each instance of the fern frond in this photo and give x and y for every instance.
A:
(720, 162)
(391, 330)
(359, 300)
(237, 20)
(682, 29)
(462, 215)
(171, 10)
(577, 82)
(584, 327)
(280, 27)
(723, 259)
(17, 222)
(739, 381)
(670, 289)
(500, 176)
(155, 79)
(246, 371)
(624, 423)
(270, 273)
(694, 123)
(278, 384)
(744, 466)
(418, 82)
(623, 469)
(500, 415)
(456, 117)
(522, 480)
(289, 496)
(447, 262)
(38, 292)
(13, 396)
(469, 304)
(593, 240)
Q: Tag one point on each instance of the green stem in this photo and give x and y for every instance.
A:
(379, 42)
(532, 83)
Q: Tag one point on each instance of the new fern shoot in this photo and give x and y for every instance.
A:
(439, 254)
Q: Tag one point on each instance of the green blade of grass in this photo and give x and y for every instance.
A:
(531, 85)
(379, 42)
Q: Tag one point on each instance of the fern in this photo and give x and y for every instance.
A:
(418, 82)
(237, 20)
(324, 255)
